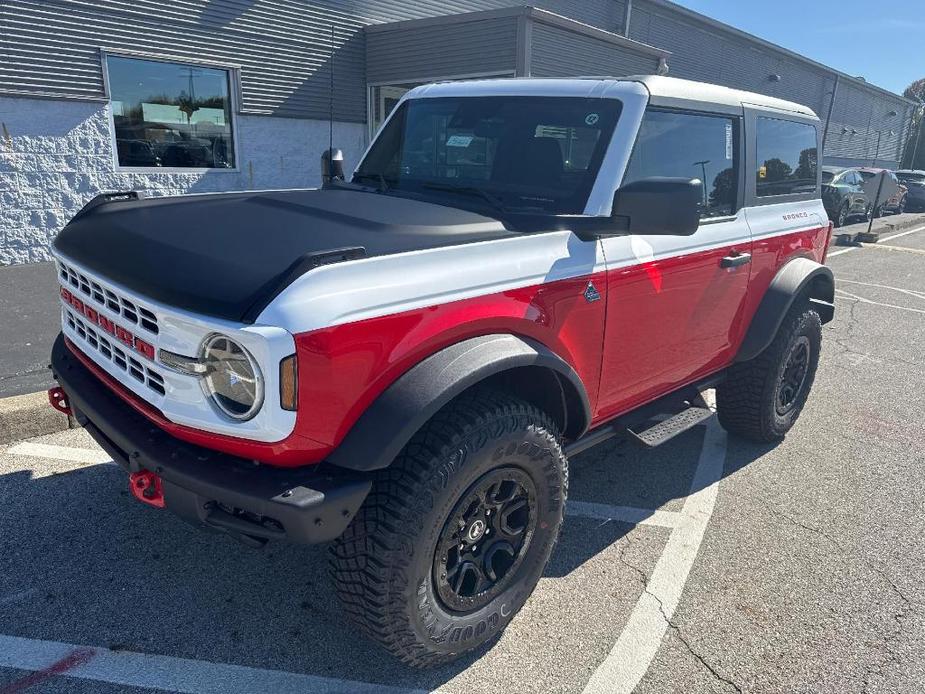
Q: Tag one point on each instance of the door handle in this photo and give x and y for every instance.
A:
(736, 259)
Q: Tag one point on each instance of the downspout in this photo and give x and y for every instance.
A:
(828, 118)
(627, 11)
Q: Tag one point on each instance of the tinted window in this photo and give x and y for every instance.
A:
(787, 157)
(689, 146)
(169, 114)
(827, 176)
(538, 153)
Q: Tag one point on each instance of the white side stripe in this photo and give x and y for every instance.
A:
(386, 285)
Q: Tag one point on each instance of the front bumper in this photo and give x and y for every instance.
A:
(251, 501)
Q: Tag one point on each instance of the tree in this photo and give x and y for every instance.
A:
(915, 146)
(916, 91)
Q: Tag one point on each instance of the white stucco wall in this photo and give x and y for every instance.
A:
(55, 155)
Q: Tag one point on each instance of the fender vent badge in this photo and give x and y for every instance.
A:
(591, 293)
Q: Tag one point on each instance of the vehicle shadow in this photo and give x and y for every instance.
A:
(84, 563)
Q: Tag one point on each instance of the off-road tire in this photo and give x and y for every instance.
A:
(383, 566)
(747, 400)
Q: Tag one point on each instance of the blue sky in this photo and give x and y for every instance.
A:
(888, 51)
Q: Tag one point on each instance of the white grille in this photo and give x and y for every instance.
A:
(106, 297)
(112, 351)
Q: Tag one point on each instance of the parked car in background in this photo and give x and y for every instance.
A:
(892, 196)
(915, 188)
(844, 194)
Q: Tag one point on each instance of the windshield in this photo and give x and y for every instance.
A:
(514, 153)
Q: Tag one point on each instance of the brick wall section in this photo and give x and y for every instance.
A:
(55, 155)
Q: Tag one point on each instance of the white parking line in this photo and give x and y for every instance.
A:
(642, 636)
(620, 672)
(910, 292)
(87, 456)
(855, 297)
(624, 514)
(885, 238)
(165, 672)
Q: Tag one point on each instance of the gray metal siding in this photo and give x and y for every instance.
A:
(856, 110)
(560, 53)
(699, 52)
(705, 52)
(420, 53)
(51, 47)
(604, 14)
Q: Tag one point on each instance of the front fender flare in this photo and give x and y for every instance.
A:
(798, 277)
(403, 408)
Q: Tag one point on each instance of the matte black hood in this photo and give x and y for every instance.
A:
(221, 255)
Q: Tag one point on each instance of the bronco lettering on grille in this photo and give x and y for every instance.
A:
(124, 336)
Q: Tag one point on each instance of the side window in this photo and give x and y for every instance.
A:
(787, 157)
(690, 146)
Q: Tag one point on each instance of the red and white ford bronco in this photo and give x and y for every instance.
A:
(402, 364)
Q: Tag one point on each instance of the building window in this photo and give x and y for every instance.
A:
(171, 115)
(787, 157)
(690, 145)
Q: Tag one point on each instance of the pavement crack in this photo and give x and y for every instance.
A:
(674, 627)
(900, 616)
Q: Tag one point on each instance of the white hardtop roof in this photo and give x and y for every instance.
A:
(661, 90)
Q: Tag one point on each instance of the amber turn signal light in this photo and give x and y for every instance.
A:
(288, 383)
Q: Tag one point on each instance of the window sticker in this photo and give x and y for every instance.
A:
(729, 141)
(592, 118)
(459, 140)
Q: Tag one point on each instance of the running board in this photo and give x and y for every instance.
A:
(678, 412)
(669, 428)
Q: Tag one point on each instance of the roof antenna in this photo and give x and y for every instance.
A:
(332, 161)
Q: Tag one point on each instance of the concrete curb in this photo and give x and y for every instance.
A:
(882, 225)
(25, 416)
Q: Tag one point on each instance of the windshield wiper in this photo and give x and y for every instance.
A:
(377, 177)
(492, 200)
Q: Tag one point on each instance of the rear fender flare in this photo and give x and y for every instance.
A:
(799, 277)
(405, 406)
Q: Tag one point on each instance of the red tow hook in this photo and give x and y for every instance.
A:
(147, 488)
(58, 400)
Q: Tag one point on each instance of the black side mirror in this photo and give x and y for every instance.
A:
(332, 166)
(659, 205)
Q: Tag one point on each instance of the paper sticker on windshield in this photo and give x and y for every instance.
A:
(729, 141)
(592, 118)
(458, 140)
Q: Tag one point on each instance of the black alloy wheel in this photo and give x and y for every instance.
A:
(793, 377)
(842, 215)
(485, 539)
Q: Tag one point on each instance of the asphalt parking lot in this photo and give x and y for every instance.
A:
(708, 565)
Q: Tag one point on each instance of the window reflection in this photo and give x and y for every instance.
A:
(787, 157)
(689, 145)
(170, 114)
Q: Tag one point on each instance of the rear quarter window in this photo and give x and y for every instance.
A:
(690, 145)
(787, 157)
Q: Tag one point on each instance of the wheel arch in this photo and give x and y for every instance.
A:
(800, 277)
(518, 365)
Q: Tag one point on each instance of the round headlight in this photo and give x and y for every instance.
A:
(232, 378)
